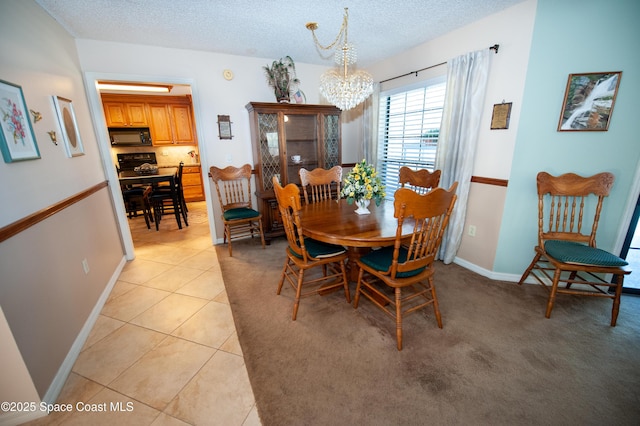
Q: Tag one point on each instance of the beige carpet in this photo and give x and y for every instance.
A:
(497, 361)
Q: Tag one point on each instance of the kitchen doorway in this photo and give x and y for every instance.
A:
(104, 145)
(631, 253)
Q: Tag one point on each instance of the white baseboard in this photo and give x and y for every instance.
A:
(498, 276)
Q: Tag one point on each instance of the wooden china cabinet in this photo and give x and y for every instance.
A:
(285, 138)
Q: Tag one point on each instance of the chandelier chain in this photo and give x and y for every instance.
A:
(342, 34)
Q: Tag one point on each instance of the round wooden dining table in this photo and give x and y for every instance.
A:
(336, 222)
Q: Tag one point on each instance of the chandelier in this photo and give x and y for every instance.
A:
(343, 86)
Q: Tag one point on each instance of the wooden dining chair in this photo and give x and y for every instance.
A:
(569, 209)
(233, 186)
(421, 180)
(169, 200)
(304, 254)
(137, 200)
(407, 266)
(321, 183)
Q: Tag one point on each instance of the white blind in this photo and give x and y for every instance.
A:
(409, 129)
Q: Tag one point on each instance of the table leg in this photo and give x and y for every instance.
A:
(353, 254)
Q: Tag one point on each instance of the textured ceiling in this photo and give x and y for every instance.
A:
(270, 28)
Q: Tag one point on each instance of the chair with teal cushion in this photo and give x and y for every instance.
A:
(569, 208)
(233, 186)
(306, 256)
(407, 267)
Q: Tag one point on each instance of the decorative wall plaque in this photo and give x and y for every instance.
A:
(224, 127)
(501, 115)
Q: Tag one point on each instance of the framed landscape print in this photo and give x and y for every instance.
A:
(68, 126)
(588, 101)
(17, 141)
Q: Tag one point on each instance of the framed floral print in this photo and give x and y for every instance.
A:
(68, 126)
(17, 141)
(588, 101)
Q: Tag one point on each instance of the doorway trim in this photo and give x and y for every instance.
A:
(100, 127)
(632, 200)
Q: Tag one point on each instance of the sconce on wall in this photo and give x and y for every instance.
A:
(36, 116)
(52, 135)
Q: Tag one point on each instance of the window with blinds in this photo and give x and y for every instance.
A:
(409, 129)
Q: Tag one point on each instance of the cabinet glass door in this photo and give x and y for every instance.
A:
(269, 149)
(331, 141)
(301, 133)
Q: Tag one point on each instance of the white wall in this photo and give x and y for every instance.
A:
(46, 297)
(512, 29)
(51, 68)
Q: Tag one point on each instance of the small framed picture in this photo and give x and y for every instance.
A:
(68, 126)
(17, 141)
(501, 116)
(588, 101)
(224, 127)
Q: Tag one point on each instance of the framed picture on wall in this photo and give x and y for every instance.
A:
(68, 126)
(224, 127)
(17, 141)
(588, 101)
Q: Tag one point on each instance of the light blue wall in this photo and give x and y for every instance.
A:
(573, 36)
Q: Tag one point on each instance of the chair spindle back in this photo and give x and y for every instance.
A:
(289, 205)
(421, 181)
(430, 212)
(233, 186)
(573, 205)
(321, 183)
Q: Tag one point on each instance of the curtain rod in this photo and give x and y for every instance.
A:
(494, 47)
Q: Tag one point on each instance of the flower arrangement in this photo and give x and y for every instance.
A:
(363, 183)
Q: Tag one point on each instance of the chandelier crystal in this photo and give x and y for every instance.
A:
(344, 87)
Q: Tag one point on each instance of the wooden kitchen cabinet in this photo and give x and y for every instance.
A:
(125, 114)
(169, 118)
(280, 131)
(171, 124)
(192, 184)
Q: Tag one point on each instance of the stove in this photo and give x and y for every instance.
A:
(129, 161)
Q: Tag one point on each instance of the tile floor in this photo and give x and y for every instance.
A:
(164, 346)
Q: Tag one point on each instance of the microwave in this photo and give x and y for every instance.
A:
(140, 136)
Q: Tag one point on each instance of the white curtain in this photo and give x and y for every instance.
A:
(370, 125)
(467, 77)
